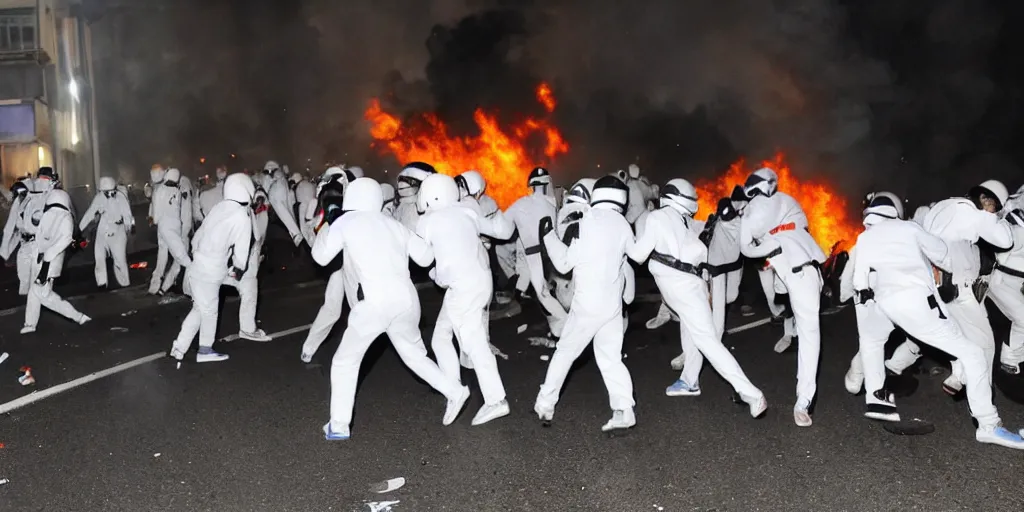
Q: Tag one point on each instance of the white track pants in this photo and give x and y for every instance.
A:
(804, 290)
(42, 295)
(330, 312)
(1005, 292)
(464, 315)
(202, 319)
(113, 245)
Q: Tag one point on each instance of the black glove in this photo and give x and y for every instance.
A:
(948, 291)
(236, 273)
(546, 226)
(726, 211)
(864, 295)
(44, 272)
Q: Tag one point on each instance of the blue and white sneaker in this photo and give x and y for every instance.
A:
(1000, 436)
(680, 388)
(333, 435)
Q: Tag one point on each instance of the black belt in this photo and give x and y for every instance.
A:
(533, 249)
(671, 261)
(813, 263)
(776, 252)
(717, 270)
(1010, 271)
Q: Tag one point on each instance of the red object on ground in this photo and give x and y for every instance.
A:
(141, 264)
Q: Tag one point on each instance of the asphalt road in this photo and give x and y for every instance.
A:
(246, 434)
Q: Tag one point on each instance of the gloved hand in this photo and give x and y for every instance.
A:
(44, 271)
(546, 226)
(235, 273)
(862, 296)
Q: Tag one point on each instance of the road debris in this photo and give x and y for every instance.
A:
(141, 264)
(155, 455)
(392, 484)
(130, 313)
(119, 329)
(522, 329)
(5, 355)
(497, 352)
(4, 481)
(26, 379)
(382, 506)
(545, 357)
(171, 299)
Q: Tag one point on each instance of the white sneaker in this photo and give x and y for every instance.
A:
(854, 381)
(28, 329)
(1000, 436)
(211, 357)
(454, 407)
(758, 407)
(801, 416)
(257, 335)
(306, 358)
(658, 321)
(951, 386)
(783, 343)
(620, 420)
(678, 362)
(491, 412)
(83, 319)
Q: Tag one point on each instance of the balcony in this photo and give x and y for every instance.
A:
(27, 34)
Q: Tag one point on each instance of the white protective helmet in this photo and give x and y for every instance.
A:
(270, 167)
(356, 171)
(470, 183)
(763, 182)
(994, 189)
(437, 191)
(222, 173)
(884, 204)
(295, 178)
(185, 184)
(239, 188)
(387, 192)
(634, 171)
(58, 197)
(156, 174)
(106, 184)
(409, 180)
(363, 195)
(610, 193)
(581, 191)
(680, 195)
(539, 177)
(171, 177)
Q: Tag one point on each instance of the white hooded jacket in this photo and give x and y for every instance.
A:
(893, 256)
(667, 232)
(778, 223)
(454, 235)
(55, 234)
(961, 224)
(222, 241)
(115, 214)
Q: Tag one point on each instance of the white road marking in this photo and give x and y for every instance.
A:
(275, 335)
(751, 325)
(60, 388)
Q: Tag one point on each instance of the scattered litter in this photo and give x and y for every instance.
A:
(130, 313)
(5, 355)
(497, 352)
(4, 481)
(522, 329)
(141, 264)
(2, 446)
(26, 379)
(541, 341)
(171, 299)
(937, 371)
(545, 357)
(389, 485)
(179, 366)
(625, 356)
(657, 507)
(382, 506)
(156, 455)
(119, 329)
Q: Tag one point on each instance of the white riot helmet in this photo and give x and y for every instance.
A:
(331, 175)
(185, 184)
(356, 171)
(993, 189)
(581, 191)
(412, 176)
(437, 191)
(634, 171)
(172, 177)
(610, 193)
(681, 196)
(295, 178)
(106, 184)
(882, 204)
(363, 195)
(222, 173)
(763, 182)
(239, 188)
(539, 178)
(156, 174)
(270, 167)
(470, 183)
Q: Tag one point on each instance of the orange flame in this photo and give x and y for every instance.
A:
(502, 156)
(824, 206)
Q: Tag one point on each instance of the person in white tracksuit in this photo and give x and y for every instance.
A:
(526, 213)
(892, 266)
(14, 235)
(677, 262)
(209, 197)
(408, 185)
(453, 229)
(575, 204)
(378, 249)
(166, 206)
(248, 284)
(961, 223)
(595, 259)
(330, 206)
(1007, 289)
(113, 214)
(221, 250)
(774, 227)
(305, 196)
(724, 260)
(39, 188)
(279, 194)
(156, 178)
(55, 234)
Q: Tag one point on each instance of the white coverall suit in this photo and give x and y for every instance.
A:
(676, 260)
(222, 241)
(55, 234)
(167, 217)
(526, 213)
(12, 239)
(378, 249)
(31, 216)
(248, 284)
(595, 259)
(1007, 292)
(279, 195)
(776, 228)
(113, 215)
(961, 224)
(463, 269)
(893, 258)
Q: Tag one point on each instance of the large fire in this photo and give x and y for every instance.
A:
(825, 208)
(503, 156)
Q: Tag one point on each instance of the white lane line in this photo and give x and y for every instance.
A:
(60, 388)
(751, 325)
(274, 335)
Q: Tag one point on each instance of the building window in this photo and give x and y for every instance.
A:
(17, 30)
